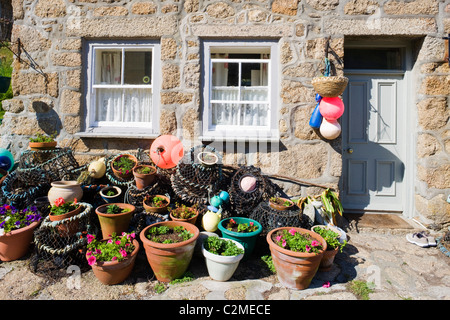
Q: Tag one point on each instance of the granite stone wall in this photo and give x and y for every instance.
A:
(53, 33)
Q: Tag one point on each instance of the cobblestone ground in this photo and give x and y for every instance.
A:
(391, 267)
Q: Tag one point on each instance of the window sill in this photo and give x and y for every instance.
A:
(116, 135)
(238, 139)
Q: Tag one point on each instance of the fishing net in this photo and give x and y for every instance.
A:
(44, 166)
(194, 181)
(271, 218)
(60, 244)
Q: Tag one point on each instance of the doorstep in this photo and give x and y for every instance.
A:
(381, 222)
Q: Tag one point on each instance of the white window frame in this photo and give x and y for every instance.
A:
(122, 129)
(241, 132)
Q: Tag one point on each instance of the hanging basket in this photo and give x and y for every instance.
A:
(329, 87)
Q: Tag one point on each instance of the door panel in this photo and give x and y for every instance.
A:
(373, 141)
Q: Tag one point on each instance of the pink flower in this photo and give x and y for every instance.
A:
(98, 251)
(89, 253)
(90, 237)
(59, 201)
(123, 253)
(307, 248)
(251, 224)
(292, 231)
(326, 284)
(110, 241)
(283, 243)
(315, 243)
(279, 238)
(92, 260)
(114, 259)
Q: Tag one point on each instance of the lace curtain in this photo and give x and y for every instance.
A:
(239, 113)
(120, 104)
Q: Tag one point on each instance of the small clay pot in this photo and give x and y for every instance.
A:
(114, 222)
(281, 207)
(158, 210)
(35, 146)
(15, 244)
(144, 180)
(118, 173)
(190, 220)
(68, 228)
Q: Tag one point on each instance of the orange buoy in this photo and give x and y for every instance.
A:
(166, 151)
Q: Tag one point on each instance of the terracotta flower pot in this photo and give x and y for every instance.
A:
(159, 210)
(144, 180)
(190, 220)
(114, 222)
(113, 272)
(67, 228)
(330, 253)
(42, 145)
(169, 261)
(295, 270)
(281, 207)
(15, 244)
(118, 173)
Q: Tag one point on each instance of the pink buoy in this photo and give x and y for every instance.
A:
(331, 108)
(330, 129)
(166, 151)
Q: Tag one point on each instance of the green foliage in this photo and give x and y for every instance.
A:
(222, 247)
(295, 241)
(183, 212)
(360, 288)
(160, 287)
(187, 276)
(241, 227)
(117, 248)
(115, 209)
(280, 201)
(61, 207)
(155, 201)
(166, 234)
(43, 138)
(269, 262)
(331, 204)
(124, 164)
(331, 237)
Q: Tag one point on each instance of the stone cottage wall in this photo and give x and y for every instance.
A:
(52, 32)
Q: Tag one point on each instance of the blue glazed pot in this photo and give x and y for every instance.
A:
(247, 239)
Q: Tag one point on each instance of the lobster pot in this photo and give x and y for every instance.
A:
(45, 166)
(194, 182)
(19, 194)
(54, 252)
(243, 201)
(271, 218)
(136, 196)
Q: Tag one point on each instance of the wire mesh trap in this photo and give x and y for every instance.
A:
(271, 218)
(244, 201)
(57, 245)
(194, 180)
(45, 166)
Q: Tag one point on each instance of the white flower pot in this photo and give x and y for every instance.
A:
(222, 268)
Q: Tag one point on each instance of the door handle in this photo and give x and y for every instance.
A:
(350, 150)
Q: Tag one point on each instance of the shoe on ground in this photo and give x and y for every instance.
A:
(418, 239)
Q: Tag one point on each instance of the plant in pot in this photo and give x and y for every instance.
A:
(296, 254)
(144, 176)
(114, 217)
(169, 247)
(42, 142)
(331, 206)
(281, 204)
(243, 230)
(16, 231)
(64, 212)
(111, 194)
(123, 165)
(156, 203)
(331, 236)
(184, 213)
(112, 259)
(222, 257)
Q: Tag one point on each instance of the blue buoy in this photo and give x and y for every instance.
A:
(224, 196)
(316, 118)
(6, 160)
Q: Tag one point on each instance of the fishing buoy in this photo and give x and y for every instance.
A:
(330, 129)
(331, 108)
(6, 160)
(166, 151)
(316, 118)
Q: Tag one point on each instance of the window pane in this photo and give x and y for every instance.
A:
(138, 67)
(108, 66)
(231, 94)
(109, 105)
(254, 94)
(254, 74)
(225, 74)
(123, 105)
(138, 105)
(236, 114)
(373, 58)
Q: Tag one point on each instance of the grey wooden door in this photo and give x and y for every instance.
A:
(373, 142)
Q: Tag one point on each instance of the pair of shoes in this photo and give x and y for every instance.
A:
(422, 239)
